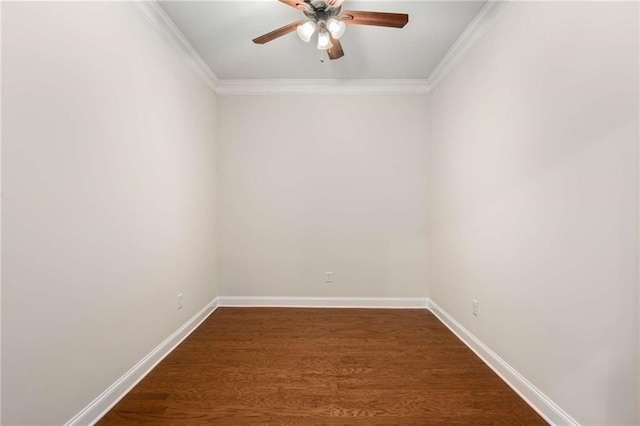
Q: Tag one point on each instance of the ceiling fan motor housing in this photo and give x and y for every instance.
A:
(320, 11)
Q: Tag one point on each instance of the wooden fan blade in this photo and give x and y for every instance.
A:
(298, 4)
(276, 33)
(335, 51)
(379, 19)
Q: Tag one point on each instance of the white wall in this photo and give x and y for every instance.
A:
(315, 183)
(108, 201)
(533, 177)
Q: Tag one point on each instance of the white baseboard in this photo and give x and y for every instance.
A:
(527, 391)
(114, 393)
(325, 302)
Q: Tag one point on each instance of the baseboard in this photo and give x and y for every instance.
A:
(551, 412)
(114, 393)
(325, 302)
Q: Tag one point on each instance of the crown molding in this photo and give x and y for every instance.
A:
(479, 26)
(297, 86)
(159, 19)
(490, 13)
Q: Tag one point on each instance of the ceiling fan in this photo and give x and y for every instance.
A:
(326, 18)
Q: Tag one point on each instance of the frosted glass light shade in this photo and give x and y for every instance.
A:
(306, 30)
(324, 41)
(336, 27)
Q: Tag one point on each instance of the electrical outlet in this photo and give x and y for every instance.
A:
(329, 278)
(475, 307)
(180, 301)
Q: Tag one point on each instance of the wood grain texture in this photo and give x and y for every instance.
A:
(378, 19)
(335, 51)
(298, 4)
(265, 38)
(276, 366)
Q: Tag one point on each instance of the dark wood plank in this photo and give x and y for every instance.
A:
(271, 366)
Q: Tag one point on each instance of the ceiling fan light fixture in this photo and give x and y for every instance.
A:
(306, 30)
(326, 18)
(324, 40)
(336, 27)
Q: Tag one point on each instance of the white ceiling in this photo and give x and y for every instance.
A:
(221, 32)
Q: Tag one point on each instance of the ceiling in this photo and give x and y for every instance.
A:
(221, 33)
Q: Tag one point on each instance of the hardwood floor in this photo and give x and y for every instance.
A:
(321, 366)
